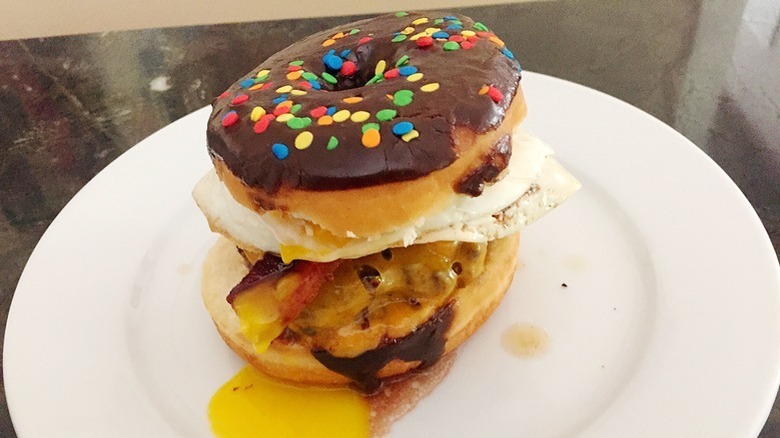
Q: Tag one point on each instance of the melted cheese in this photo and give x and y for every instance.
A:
(532, 184)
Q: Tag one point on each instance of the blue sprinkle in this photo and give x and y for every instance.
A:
(331, 111)
(333, 62)
(280, 99)
(280, 151)
(450, 18)
(315, 84)
(246, 83)
(441, 35)
(331, 52)
(454, 27)
(345, 53)
(402, 128)
(407, 70)
(396, 33)
(508, 53)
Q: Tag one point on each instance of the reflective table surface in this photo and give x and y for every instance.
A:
(70, 105)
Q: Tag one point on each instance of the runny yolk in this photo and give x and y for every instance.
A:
(253, 405)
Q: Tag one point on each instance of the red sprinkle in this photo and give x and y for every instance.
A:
(230, 119)
(262, 124)
(485, 34)
(364, 40)
(456, 38)
(473, 38)
(306, 85)
(318, 112)
(348, 68)
(224, 94)
(267, 86)
(495, 94)
(465, 45)
(424, 41)
(392, 73)
(238, 100)
(293, 68)
(279, 110)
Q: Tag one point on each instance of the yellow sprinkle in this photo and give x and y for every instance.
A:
(303, 140)
(433, 86)
(294, 75)
(297, 92)
(371, 138)
(327, 43)
(255, 87)
(415, 37)
(338, 36)
(287, 103)
(483, 90)
(497, 41)
(341, 116)
(431, 30)
(380, 67)
(262, 73)
(257, 112)
(407, 31)
(411, 135)
(325, 121)
(360, 116)
(389, 96)
(353, 99)
(467, 33)
(414, 77)
(419, 21)
(284, 117)
(284, 89)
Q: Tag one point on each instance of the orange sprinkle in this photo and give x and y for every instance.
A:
(327, 43)
(353, 99)
(483, 90)
(325, 121)
(338, 36)
(389, 96)
(287, 103)
(371, 138)
(255, 87)
(294, 75)
(497, 41)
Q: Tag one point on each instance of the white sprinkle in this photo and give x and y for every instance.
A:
(160, 83)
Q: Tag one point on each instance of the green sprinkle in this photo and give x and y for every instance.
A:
(402, 60)
(451, 45)
(403, 97)
(352, 32)
(329, 77)
(309, 76)
(374, 79)
(401, 14)
(398, 38)
(438, 21)
(261, 79)
(332, 143)
(480, 26)
(296, 62)
(295, 108)
(299, 122)
(386, 115)
(368, 126)
(456, 22)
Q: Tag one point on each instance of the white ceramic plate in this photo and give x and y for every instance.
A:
(669, 326)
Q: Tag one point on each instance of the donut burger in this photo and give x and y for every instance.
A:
(369, 185)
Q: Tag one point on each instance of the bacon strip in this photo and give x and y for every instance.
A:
(270, 267)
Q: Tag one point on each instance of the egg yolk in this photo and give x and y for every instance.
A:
(253, 405)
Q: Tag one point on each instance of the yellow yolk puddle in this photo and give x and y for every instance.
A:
(254, 405)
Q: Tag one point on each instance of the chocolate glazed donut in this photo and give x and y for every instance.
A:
(371, 103)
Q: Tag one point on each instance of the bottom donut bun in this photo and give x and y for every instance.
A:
(291, 361)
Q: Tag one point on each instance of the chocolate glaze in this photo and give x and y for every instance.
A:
(460, 73)
(425, 344)
(494, 162)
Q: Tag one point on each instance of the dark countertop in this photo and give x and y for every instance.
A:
(70, 105)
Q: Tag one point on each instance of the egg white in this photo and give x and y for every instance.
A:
(532, 184)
